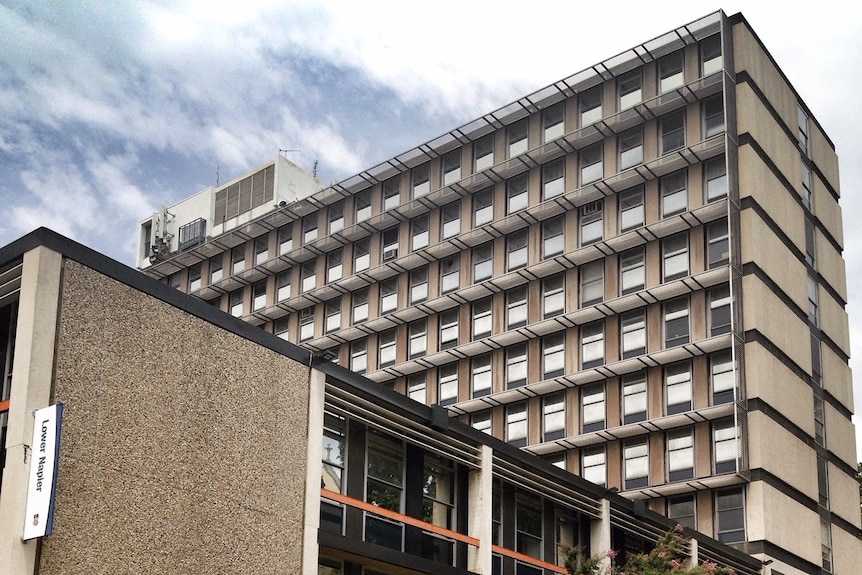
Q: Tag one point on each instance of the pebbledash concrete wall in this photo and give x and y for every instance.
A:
(183, 444)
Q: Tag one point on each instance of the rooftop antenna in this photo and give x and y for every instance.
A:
(283, 152)
(218, 166)
(314, 169)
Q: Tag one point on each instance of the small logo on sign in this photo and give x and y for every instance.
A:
(36, 519)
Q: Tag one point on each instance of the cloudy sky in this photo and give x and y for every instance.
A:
(110, 109)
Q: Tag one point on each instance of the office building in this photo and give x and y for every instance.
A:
(192, 442)
(635, 272)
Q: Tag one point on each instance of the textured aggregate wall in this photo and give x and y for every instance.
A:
(183, 445)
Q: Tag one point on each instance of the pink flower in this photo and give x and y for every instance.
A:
(612, 554)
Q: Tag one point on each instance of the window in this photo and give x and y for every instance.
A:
(591, 223)
(631, 204)
(336, 217)
(722, 377)
(591, 164)
(388, 348)
(419, 285)
(389, 244)
(420, 180)
(634, 401)
(812, 299)
(517, 196)
(483, 152)
(806, 185)
(216, 270)
(553, 238)
(593, 466)
(629, 88)
(730, 515)
(418, 338)
(677, 380)
(516, 307)
(334, 450)
(554, 416)
(483, 265)
(672, 128)
(195, 277)
(553, 355)
(261, 249)
(451, 163)
(173, 280)
(724, 445)
(449, 328)
(481, 421)
(481, 375)
(516, 250)
(826, 544)
(592, 283)
(592, 344)
(632, 271)
(715, 172)
(334, 268)
(361, 255)
(810, 248)
(710, 55)
(281, 326)
(593, 408)
(309, 276)
(556, 459)
(553, 296)
(438, 490)
(516, 138)
(631, 144)
(416, 387)
(237, 259)
(362, 205)
(235, 301)
(676, 325)
(822, 482)
(384, 486)
(482, 318)
(333, 315)
(516, 424)
(528, 528)
(719, 310)
(675, 256)
(451, 220)
(819, 421)
(717, 244)
(591, 105)
(360, 305)
(554, 121)
(285, 239)
(636, 463)
(516, 366)
(450, 273)
(681, 510)
(258, 295)
(388, 295)
(803, 129)
(674, 195)
(680, 454)
(553, 178)
(309, 228)
(670, 72)
(816, 361)
(633, 333)
(483, 206)
(359, 356)
(448, 382)
(713, 115)
(419, 233)
(391, 194)
(306, 324)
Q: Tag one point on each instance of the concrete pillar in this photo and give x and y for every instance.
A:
(32, 380)
(314, 454)
(600, 533)
(481, 517)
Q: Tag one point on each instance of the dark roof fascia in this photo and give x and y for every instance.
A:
(138, 280)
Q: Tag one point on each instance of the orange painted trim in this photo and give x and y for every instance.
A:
(327, 494)
(4, 405)
(527, 559)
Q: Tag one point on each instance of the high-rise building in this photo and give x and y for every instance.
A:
(635, 272)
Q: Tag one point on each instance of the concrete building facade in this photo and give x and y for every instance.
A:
(635, 273)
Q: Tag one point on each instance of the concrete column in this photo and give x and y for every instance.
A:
(32, 379)
(600, 533)
(481, 513)
(694, 553)
(314, 454)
